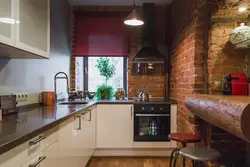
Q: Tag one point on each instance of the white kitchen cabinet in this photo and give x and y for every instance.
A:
(51, 156)
(25, 24)
(7, 22)
(77, 139)
(114, 126)
(87, 135)
(69, 149)
(42, 141)
(46, 158)
(19, 155)
(33, 31)
(15, 157)
(90, 128)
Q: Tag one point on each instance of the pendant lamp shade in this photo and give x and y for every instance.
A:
(134, 19)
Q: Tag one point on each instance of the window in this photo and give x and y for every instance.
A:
(92, 77)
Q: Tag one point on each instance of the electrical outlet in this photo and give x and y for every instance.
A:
(26, 96)
(23, 97)
(19, 97)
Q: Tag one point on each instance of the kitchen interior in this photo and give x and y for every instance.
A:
(124, 83)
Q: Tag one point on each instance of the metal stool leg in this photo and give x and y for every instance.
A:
(183, 162)
(176, 157)
(193, 162)
(172, 156)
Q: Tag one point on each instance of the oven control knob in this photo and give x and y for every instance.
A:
(161, 109)
(152, 109)
(142, 109)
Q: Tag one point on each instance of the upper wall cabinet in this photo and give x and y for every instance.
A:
(7, 24)
(32, 33)
(25, 25)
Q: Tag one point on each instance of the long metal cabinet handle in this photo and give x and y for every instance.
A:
(40, 138)
(131, 112)
(152, 115)
(38, 161)
(79, 125)
(90, 115)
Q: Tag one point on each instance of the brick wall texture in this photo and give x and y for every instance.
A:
(201, 55)
(73, 58)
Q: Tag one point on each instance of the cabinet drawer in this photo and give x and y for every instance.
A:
(42, 141)
(35, 160)
(15, 157)
(19, 155)
(46, 158)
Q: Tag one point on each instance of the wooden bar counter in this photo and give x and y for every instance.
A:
(231, 113)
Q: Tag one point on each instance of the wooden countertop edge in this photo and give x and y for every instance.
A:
(231, 113)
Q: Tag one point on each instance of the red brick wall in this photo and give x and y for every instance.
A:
(155, 84)
(73, 59)
(223, 58)
(185, 62)
(200, 55)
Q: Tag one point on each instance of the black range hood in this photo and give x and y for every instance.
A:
(149, 52)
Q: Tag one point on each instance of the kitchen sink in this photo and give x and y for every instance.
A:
(73, 103)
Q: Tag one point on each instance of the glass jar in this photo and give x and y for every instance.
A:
(120, 94)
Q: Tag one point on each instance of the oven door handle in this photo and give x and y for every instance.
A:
(152, 115)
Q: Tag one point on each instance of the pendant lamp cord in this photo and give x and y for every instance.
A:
(134, 5)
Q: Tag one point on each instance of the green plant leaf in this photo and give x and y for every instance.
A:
(104, 92)
(105, 68)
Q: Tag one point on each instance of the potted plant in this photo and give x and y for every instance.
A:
(105, 91)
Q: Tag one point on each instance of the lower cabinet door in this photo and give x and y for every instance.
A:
(69, 149)
(87, 139)
(16, 157)
(114, 126)
(84, 142)
(92, 140)
(46, 158)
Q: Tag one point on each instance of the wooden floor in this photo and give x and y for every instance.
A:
(128, 162)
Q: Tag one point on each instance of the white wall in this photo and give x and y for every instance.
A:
(35, 76)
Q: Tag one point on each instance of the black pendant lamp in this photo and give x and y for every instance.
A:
(134, 19)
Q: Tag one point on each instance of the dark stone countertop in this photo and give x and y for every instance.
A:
(33, 120)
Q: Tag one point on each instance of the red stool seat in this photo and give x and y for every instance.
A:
(184, 137)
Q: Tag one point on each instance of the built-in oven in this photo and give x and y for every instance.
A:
(151, 122)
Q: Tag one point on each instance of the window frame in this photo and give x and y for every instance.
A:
(86, 69)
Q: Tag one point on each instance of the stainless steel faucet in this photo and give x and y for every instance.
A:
(58, 77)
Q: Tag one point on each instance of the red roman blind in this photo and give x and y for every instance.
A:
(100, 35)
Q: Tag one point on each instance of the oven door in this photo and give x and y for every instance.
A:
(153, 127)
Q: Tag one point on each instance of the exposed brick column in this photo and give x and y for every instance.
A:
(188, 62)
(187, 74)
(73, 59)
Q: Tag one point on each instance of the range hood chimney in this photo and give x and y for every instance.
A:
(149, 52)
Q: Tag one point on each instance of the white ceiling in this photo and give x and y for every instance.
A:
(117, 2)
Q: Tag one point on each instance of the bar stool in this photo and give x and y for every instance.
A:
(184, 139)
(199, 154)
